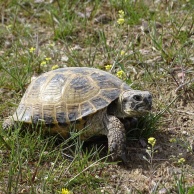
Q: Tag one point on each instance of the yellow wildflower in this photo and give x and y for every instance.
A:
(55, 67)
(51, 44)
(122, 52)
(47, 58)
(32, 49)
(120, 74)
(9, 26)
(120, 21)
(181, 161)
(43, 63)
(108, 67)
(121, 14)
(152, 141)
(172, 140)
(65, 191)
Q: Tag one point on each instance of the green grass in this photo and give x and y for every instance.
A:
(36, 162)
(65, 33)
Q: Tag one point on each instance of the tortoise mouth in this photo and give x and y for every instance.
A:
(146, 108)
(138, 110)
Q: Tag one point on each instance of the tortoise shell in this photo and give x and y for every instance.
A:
(66, 95)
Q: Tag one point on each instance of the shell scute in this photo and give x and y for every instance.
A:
(23, 113)
(37, 113)
(80, 89)
(73, 112)
(35, 91)
(61, 117)
(105, 80)
(81, 84)
(52, 93)
(99, 102)
(19, 112)
(48, 114)
(83, 70)
(111, 94)
(86, 109)
(36, 118)
(61, 113)
(27, 116)
(48, 119)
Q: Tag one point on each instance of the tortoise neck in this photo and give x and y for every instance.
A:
(118, 110)
(115, 108)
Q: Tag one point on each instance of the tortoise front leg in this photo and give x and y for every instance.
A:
(116, 137)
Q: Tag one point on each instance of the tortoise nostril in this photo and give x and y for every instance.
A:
(137, 97)
(146, 100)
(149, 98)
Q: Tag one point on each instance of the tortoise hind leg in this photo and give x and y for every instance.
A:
(8, 123)
(116, 137)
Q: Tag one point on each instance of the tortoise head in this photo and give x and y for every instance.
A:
(134, 103)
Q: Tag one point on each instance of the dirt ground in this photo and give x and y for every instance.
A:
(161, 71)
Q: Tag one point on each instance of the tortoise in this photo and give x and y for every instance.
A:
(86, 98)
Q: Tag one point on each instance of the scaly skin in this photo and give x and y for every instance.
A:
(8, 123)
(116, 137)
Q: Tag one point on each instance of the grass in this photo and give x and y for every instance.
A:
(151, 50)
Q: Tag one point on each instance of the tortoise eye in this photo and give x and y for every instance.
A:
(137, 97)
